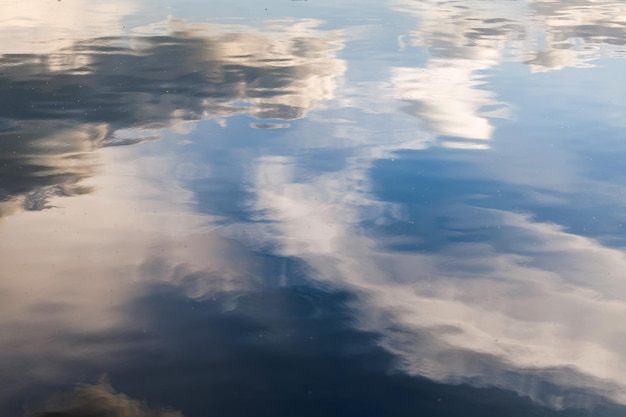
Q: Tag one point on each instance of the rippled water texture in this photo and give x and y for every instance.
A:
(313, 208)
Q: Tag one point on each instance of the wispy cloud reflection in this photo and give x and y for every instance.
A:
(533, 308)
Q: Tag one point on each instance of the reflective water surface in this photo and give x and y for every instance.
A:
(406, 207)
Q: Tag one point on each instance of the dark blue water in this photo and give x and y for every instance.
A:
(312, 208)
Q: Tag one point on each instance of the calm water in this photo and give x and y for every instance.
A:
(312, 208)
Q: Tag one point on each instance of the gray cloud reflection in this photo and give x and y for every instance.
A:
(57, 107)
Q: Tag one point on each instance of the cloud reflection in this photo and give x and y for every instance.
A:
(574, 33)
(57, 107)
(447, 96)
(466, 40)
(545, 34)
(532, 308)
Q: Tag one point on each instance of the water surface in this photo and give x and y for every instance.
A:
(313, 208)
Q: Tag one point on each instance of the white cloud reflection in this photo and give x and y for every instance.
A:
(447, 95)
(534, 304)
(465, 41)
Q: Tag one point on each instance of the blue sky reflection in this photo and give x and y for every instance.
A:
(435, 186)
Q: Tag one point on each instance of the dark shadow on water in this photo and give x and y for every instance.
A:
(285, 352)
